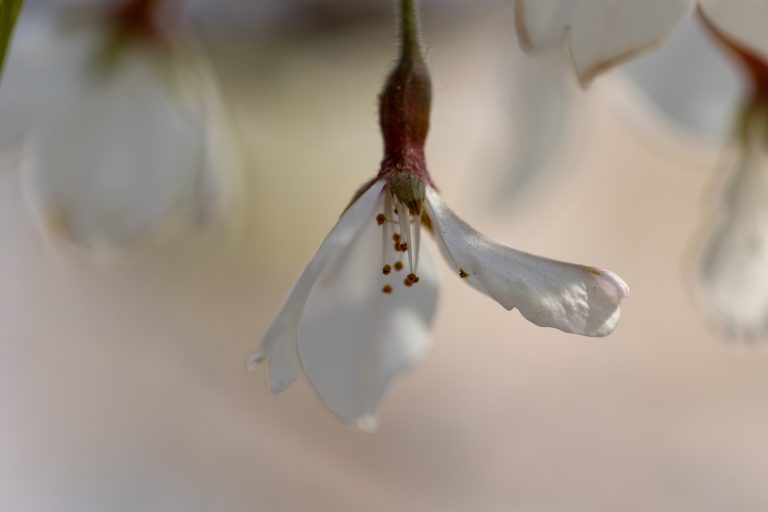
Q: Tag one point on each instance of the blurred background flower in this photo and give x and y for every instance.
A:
(126, 137)
(126, 390)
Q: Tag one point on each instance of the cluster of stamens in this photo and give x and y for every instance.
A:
(401, 232)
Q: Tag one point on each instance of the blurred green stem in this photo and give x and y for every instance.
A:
(410, 36)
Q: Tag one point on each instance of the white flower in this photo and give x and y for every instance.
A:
(361, 311)
(602, 33)
(117, 153)
(734, 266)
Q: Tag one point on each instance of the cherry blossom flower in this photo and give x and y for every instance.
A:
(361, 311)
(125, 139)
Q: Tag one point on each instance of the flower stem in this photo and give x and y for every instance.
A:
(410, 33)
(405, 103)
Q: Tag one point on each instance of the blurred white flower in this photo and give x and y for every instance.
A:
(359, 314)
(121, 148)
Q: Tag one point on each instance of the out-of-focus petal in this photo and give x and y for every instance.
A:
(221, 199)
(573, 298)
(122, 166)
(744, 20)
(734, 266)
(279, 345)
(689, 81)
(43, 75)
(353, 338)
(538, 93)
(600, 33)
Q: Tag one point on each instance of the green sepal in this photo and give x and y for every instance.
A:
(409, 190)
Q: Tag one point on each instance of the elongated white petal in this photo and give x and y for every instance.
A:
(600, 33)
(690, 81)
(279, 343)
(744, 20)
(734, 266)
(354, 338)
(122, 167)
(539, 106)
(573, 298)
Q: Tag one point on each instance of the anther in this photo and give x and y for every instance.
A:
(381, 219)
(403, 247)
(408, 283)
(396, 237)
(387, 289)
(387, 269)
(398, 266)
(463, 274)
(412, 278)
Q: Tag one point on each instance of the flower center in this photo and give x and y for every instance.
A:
(401, 234)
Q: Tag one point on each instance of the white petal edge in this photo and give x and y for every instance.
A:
(353, 338)
(599, 33)
(572, 298)
(222, 186)
(279, 344)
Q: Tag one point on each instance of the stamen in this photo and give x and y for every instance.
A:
(381, 219)
(387, 269)
(463, 274)
(398, 266)
(405, 230)
(387, 289)
(417, 242)
(385, 230)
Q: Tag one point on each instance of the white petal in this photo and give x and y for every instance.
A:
(353, 338)
(573, 298)
(690, 81)
(744, 20)
(734, 268)
(279, 343)
(123, 166)
(43, 75)
(600, 33)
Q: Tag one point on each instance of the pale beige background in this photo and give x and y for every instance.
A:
(126, 390)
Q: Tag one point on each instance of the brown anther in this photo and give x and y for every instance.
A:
(396, 238)
(412, 278)
(408, 283)
(381, 219)
(398, 266)
(417, 280)
(387, 269)
(463, 274)
(403, 247)
(387, 289)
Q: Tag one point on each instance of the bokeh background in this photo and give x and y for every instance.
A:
(125, 389)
